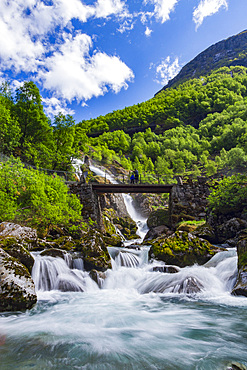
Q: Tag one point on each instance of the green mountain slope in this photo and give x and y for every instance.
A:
(229, 52)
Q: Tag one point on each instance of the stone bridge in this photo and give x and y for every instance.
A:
(187, 200)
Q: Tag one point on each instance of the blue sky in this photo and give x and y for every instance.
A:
(91, 57)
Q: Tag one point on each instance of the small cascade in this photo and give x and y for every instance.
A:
(128, 257)
(55, 273)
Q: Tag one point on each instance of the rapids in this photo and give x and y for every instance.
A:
(136, 318)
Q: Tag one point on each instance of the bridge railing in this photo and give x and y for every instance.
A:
(143, 178)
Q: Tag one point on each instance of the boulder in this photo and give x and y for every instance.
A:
(19, 251)
(94, 251)
(127, 227)
(229, 229)
(167, 269)
(17, 291)
(157, 231)
(158, 217)
(11, 230)
(182, 249)
(240, 287)
(98, 277)
(206, 232)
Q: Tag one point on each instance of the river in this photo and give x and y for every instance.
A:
(138, 319)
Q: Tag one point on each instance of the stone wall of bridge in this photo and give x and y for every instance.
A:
(188, 200)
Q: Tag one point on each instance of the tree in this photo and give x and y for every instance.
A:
(10, 132)
(63, 141)
(33, 122)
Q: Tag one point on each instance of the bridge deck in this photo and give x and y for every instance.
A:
(132, 188)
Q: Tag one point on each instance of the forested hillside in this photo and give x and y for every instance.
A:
(225, 53)
(198, 127)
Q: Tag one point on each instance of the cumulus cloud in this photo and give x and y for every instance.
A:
(74, 73)
(163, 8)
(166, 70)
(207, 8)
(34, 41)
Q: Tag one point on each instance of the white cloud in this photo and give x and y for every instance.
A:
(166, 70)
(54, 106)
(104, 8)
(163, 8)
(74, 74)
(148, 32)
(207, 8)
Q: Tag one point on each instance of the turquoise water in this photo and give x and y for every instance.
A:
(136, 321)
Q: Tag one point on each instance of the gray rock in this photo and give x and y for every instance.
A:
(9, 229)
(155, 232)
(17, 291)
(240, 287)
(230, 228)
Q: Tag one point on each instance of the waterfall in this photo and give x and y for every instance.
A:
(55, 273)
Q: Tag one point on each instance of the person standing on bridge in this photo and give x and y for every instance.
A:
(136, 174)
(132, 178)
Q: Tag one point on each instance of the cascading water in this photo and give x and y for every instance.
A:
(137, 317)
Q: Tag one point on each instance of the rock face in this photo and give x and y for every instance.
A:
(182, 249)
(17, 291)
(229, 52)
(240, 287)
(189, 201)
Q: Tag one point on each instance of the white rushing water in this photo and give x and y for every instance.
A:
(137, 317)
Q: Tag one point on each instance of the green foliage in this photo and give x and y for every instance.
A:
(229, 195)
(27, 194)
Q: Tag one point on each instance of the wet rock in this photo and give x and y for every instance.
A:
(190, 285)
(240, 287)
(182, 249)
(167, 269)
(17, 291)
(236, 366)
(98, 277)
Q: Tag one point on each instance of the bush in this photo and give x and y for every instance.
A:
(29, 194)
(229, 195)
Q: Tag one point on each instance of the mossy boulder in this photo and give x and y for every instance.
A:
(94, 251)
(53, 252)
(205, 231)
(158, 218)
(127, 227)
(240, 287)
(17, 291)
(182, 249)
(18, 250)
